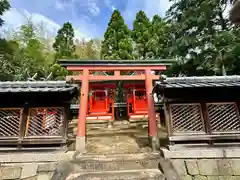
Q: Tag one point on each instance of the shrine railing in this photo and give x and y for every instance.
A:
(44, 125)
(203, 122)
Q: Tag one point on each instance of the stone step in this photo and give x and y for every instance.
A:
(146, 174)
(115, 162)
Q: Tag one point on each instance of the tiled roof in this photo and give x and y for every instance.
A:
(193, 82)
(37, 86)
(119, 63)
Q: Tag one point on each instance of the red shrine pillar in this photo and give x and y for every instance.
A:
(152, 123)
(81, 128)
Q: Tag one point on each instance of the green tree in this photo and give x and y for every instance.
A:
(141, 34)
(159, 38)
(87, 49)
(31, 51)
(203, 39)
(10, 65)
(117, 43)
(64, 43)
(4, 6)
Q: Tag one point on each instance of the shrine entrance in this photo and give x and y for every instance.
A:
(101, 101)
(142, 70)
(137, 104)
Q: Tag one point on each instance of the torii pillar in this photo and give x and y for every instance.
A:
(152, 123)
(81, 127)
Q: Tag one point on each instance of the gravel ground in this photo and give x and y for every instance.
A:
(130, 138)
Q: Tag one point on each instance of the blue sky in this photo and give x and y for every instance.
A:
(89, 17)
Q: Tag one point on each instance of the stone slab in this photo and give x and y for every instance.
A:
(186, 178)
(8, 173)
(45, 176)
(208, 167)
(117, 157)
(32, 157)
(212, 178)
(199, 177)
(30, 178)
(180, 167)
(227, 178)
(46, 167)
(193, 153)
(116, 175)
(224, 167)
(192, 167)
(29, 170)
(235, 165)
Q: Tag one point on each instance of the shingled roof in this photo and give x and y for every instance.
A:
(37, 86)
(193, 82)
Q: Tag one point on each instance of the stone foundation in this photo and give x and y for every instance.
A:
(205, 164)
(29, 171)
(29, 166)
(188, 164)
(75, 166)
(208, 169)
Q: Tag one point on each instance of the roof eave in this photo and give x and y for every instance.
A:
(94, 63)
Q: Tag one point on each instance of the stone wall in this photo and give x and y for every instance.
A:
(29, 166)
(206, 164)
(27, 171)
(207, 169)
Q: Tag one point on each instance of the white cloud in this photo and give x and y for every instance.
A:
(21, 17)
(93, 8)
(90, 5)
(59, 5)
(109, 4)
(151, 7)
(156, 7)
(113, 8)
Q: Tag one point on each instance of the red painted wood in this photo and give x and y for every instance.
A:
(116, 68)
(100, 99)
(83, 104)
(112, 78)
(136, 96)
(152, 123)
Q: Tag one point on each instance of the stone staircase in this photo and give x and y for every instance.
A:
(111, 167)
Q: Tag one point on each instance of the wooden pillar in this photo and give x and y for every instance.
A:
(152, 123)
(81, 128)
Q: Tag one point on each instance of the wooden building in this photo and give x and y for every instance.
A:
(201, 111)
(35, 114)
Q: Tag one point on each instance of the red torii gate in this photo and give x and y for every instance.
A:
(86, 67)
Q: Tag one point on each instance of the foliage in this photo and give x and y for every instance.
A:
(64, 44)
(9, 67)
(202, 38)
(196, 33)
(117, 43)
(4, 6)
(25, 55)
(159, 38)
(141, 34)
(88, 49)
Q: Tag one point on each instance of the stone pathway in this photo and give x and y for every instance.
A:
(124, 138)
